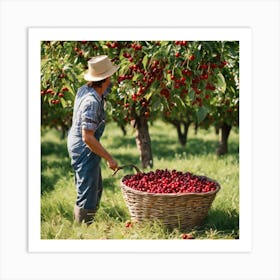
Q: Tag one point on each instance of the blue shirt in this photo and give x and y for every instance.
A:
(88, 114)
(88, 110)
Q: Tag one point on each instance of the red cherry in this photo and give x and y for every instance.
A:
(128, 224)
(191, 57)
(187, 236)
(50, 91)
(165, 181)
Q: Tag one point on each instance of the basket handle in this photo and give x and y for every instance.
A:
(127, 165)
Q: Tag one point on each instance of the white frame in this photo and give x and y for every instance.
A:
(262, 262)
(244, 36)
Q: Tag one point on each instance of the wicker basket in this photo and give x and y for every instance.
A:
(181, 210)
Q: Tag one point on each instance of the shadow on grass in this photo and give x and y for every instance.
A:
(123, 141)
(55, 162)
(126, 159)
(111, 183)
(51, 172)
(52, 148)
(164, 148)
(222, 221)
(116, 212)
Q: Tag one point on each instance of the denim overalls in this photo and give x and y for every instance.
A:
(89, 114)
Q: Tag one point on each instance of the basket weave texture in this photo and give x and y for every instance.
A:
(174, 210)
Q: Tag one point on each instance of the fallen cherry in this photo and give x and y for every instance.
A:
(187, 236)
(128, 224)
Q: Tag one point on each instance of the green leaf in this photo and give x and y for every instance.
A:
(157, 106)
(63, 102)
(137, 77)
(149, 94)
(144, 61)
(221, 82)
(201, 114)
(192, 94)
(180, 104)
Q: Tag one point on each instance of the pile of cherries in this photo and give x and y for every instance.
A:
(166, 181)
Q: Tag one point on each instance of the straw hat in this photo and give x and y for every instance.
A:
(99, 68)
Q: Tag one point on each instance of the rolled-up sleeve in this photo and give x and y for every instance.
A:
(89, 114)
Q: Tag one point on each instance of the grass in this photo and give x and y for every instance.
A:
(58, 191)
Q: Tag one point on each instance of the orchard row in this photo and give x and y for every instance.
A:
(179, 81)
(165, 76)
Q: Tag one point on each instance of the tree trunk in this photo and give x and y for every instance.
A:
(143, 141)
(182, 131)
(195, 128)
(223, 145)
(182, 128)
(123, 129)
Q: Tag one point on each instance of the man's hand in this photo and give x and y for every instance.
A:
(112, 164)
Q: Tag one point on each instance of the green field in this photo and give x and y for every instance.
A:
(58, 191)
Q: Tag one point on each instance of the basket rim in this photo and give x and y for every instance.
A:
(218, 187)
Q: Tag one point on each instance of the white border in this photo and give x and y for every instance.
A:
(243, 35)
(262, 262)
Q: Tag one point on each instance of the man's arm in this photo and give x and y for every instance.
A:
(97, 148)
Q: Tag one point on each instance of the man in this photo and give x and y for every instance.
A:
(83, 144)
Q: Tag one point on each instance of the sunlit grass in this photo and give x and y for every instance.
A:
(58, 190)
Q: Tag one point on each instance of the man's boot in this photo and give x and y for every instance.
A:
(84, 215)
